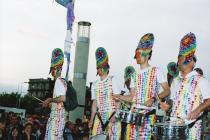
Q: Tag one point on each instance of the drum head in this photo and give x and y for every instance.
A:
(99, 137)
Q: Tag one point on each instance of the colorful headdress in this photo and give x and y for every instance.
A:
(57, 58)
(146, 42)
(173, 69)
(129, 70)
(101, 58)
(188, 47)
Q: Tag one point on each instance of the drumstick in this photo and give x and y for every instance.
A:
(158, 98)
(37, 99)
(121, 101)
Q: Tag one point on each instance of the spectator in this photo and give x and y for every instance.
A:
(85, 131)
(36, 129)
(42, 130)
(2, 129)
(15, 134)
(68, 131)
(27, 134)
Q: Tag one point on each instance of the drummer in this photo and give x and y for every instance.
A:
(129, 70)
(172, 72)
(103, 103)
(145, 88)
(190, 91)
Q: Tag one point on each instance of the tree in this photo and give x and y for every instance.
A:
(15, 100)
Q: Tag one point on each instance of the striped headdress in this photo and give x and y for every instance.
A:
(101, 58)
(188, 47)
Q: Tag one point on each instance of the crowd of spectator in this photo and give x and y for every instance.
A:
(33, 127)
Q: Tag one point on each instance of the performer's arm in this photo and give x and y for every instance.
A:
(58, 99)
(164, 106)
(93, 113)
(164, 84)
(166, 92)
(163, 94)
(195, 113)
(118, 105)
(205, 90)
(127, 98)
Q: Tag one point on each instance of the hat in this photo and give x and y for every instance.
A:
(129, 70)
(146, 42)
(188, 47)
(101, 58)
(173, 69)
(57, 58)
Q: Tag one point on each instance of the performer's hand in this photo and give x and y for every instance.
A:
(194, 114)
(50, 105)
(164, 106)
(113, 119)
(90, 124)
(149, 102)
(116, 97)
(46, 102)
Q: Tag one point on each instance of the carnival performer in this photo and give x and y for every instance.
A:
(190, 91)
(101, 94)
(173, 72)
(145, 87)
(56, 121)
(129, 70)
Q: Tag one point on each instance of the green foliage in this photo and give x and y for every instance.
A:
(9, 100)
(15, 100)
(29, 103)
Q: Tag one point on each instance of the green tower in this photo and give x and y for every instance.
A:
(80, 67)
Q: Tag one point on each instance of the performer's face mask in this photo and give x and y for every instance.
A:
(56, 71)
(183, 62)
(180, 63)
(140, 55)
(102, 71)
(99, 71)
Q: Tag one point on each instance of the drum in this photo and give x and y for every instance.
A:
(99, 137)
(129, 117)
(170, 131)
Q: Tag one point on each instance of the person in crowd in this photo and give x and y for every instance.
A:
(27, 133)
(15, 134)
(2, 128)
(68, 134)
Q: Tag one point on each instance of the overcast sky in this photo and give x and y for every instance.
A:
(31, 29)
